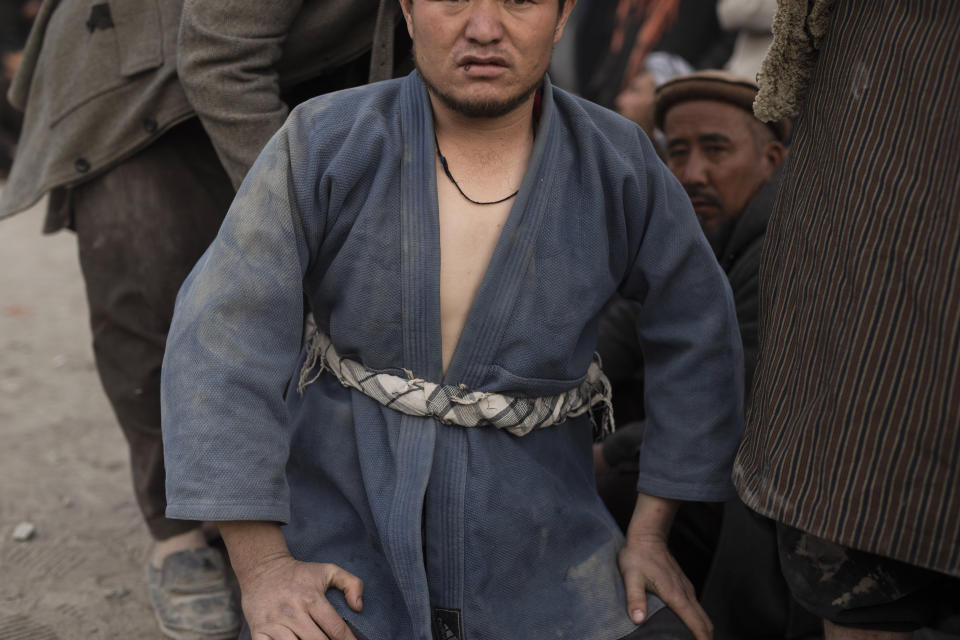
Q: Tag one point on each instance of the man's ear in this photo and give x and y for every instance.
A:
(562, 22)
(774, 153)
(407, 16)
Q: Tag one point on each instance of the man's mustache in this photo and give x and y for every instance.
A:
(699, 194)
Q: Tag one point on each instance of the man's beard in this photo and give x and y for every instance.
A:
(719, 235)
(718, 232)
(479, 108)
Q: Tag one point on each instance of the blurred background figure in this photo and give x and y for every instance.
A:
(622, 51)
(636, 101)
(140, 120)
(613, 39)
(728, 162)
(16, 16)
(662, 48)
(752, 21)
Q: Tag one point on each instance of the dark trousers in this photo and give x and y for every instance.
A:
(663, 625)
(745, 593)
(141, 227)
(10, 121)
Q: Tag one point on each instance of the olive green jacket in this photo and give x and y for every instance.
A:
(99, 79)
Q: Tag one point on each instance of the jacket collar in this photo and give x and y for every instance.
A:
(752, 223)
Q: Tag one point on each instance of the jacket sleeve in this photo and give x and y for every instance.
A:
(692, 354)
(227, 62)
(231, 351)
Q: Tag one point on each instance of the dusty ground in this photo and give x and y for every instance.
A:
(63, 461)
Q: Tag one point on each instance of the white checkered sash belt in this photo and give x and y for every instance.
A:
(457, 404)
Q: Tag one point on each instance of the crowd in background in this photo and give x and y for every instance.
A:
(615, 53)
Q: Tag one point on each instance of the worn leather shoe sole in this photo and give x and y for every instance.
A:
(191, 597)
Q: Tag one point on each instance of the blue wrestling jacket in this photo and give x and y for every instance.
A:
(475, 531)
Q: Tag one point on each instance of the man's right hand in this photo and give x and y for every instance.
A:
(284, 599)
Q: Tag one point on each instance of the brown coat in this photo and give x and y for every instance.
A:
(853, 433)
(97, 85)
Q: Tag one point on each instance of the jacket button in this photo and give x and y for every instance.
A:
(82, 165)
(149, 125)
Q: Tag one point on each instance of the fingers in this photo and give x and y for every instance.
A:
(351, 585)
(327, 618)
(292, 605)
(656, 571)
(298, 626)
(635, 585)
(679, 595)
(694, 617)
(277, 632)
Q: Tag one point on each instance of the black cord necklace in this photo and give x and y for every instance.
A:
(446, 170)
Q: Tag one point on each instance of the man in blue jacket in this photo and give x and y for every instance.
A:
(456, 234)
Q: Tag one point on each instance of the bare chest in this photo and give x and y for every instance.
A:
(468, 238)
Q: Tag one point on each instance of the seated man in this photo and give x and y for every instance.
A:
(456, 234)
(728, 161)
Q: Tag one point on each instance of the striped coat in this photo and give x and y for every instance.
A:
(854, 429)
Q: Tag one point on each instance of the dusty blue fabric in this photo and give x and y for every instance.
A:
(341, 207)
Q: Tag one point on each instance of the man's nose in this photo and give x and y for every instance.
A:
(694, 171)
(485, 22)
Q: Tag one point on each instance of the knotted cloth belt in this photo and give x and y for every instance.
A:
(458, 405)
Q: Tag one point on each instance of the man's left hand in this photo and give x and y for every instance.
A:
(647, 565)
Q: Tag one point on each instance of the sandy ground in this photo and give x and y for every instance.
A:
(63, 460)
